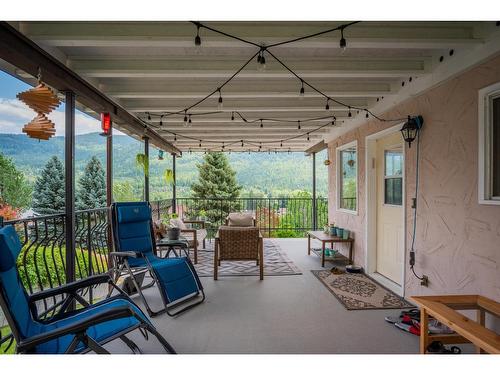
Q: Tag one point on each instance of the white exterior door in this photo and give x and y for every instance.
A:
(390, 212)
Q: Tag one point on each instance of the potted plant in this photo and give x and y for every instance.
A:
(173, 232)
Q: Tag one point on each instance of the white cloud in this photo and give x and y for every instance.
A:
(14, 115)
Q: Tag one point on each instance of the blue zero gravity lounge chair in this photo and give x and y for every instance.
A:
(66, 330)
(178, 283)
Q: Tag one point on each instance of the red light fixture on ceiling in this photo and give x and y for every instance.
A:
(106, 124)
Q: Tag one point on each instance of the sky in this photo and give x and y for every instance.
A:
(14, 114)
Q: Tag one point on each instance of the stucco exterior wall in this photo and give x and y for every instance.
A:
(458, 240)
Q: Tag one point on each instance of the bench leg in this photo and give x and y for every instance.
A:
(424, 331)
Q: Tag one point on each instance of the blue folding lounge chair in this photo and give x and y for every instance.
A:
(176, 278)
(66, 330)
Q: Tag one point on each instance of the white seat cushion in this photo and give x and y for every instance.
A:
(239, 219)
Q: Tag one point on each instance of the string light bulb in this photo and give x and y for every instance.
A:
(327, 106)
(219, 104)
(302, 91)
(175, 137)
(200, 144)
(161, 120)
(308, 139)
(242, 143)
(349, 114)
(185, 119)
(343, 42)
(197, 39)
(261, 60)
(298, 125)
(281, 143)
(223, 146)
(232, 116)
(367, 116)
(189, 121)
(149, 116)
(261, 124)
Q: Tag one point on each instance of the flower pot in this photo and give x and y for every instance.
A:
(346, 234)
(332, 231)
(173, 233)
(340, 232)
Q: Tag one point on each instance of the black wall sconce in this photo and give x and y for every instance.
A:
(411, 128)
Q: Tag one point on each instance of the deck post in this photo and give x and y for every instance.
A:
(174, 185)
(109, 168)
(69, 166)
(109, 189)
(146, 170)
(314, 203)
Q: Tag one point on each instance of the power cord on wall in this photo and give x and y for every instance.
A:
(424, 280)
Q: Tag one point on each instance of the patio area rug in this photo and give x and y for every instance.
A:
(359, 291)
(276, 263)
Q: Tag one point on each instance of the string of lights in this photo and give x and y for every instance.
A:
(260, 54)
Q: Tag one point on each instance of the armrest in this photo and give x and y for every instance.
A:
(70, 287)
(201, 222)
(79, 326)
(126, 254)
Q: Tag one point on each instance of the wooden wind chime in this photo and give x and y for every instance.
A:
(42, 100)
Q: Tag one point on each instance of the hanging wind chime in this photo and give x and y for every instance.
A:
(42, 100)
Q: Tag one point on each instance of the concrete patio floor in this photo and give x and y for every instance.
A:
(280, 315)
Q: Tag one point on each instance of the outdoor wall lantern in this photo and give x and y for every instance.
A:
(411, 128)
(160, 154)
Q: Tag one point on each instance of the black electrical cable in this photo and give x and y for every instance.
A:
(303, 81)
(412, 248)
(261, 49)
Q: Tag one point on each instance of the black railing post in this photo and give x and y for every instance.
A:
(269, 215)
(174, 185)
(89, 250)
(146, 169)
(314, 206)
(69, 165)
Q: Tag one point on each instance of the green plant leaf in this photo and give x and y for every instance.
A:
(142, 162)
(168, 175)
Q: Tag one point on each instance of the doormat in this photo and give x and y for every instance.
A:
(276, 263)
(357, 291)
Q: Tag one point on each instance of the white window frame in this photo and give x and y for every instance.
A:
(485, 180)
(338, 163)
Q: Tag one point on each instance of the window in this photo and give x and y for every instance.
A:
(347, 177)
(489, 145)
(393, 177)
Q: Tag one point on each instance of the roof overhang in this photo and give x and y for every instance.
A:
(21, 52)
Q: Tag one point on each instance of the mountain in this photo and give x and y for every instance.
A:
(260, 174)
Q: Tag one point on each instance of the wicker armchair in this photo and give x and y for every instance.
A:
(239, 243)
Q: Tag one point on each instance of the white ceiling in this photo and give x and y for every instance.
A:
(155, 67)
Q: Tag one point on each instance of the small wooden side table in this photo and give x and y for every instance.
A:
(327, 238)
(443, 309)
(171, 245)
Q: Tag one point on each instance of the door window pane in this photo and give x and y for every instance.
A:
(393, 179)
(348, 179)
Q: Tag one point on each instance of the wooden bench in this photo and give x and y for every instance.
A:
(443, 309)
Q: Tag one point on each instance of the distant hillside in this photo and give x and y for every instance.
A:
(258, 173)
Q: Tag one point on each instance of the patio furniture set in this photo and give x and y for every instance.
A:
(73, 325)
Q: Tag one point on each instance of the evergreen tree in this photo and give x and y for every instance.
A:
(14, 189)
(49, 192)
(92, 186)
(216, 180)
